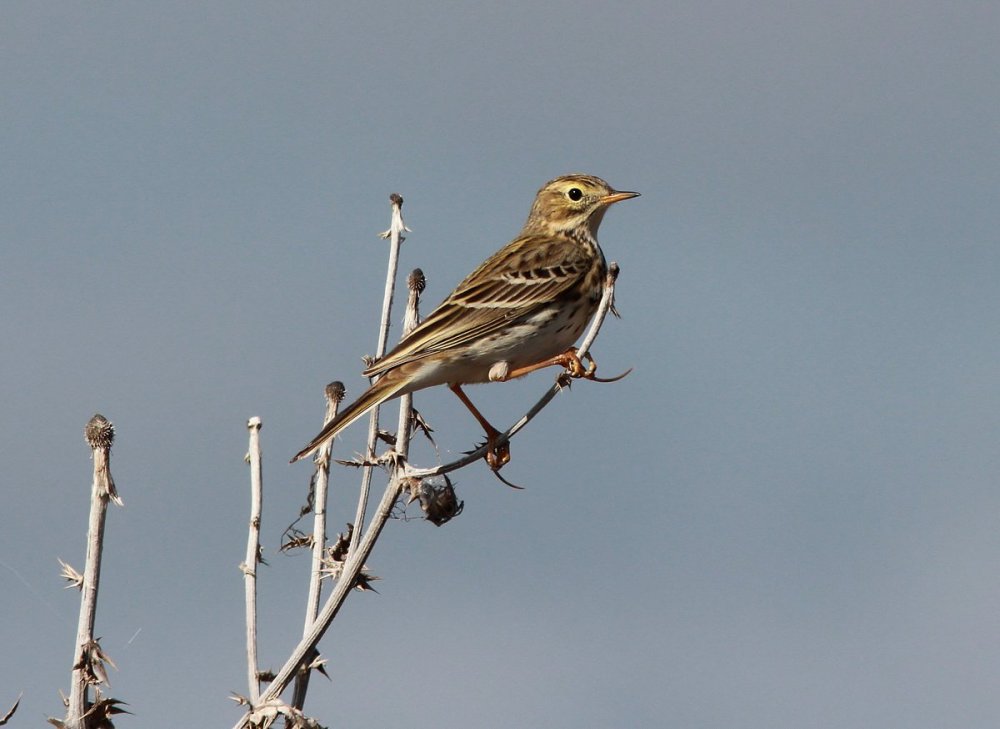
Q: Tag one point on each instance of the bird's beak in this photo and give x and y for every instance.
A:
(617, 197)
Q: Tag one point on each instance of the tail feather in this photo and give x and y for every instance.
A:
(386, 388)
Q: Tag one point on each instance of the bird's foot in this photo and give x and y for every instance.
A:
(576, 369)
(497, 456)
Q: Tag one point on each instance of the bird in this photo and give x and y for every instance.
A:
(522, 309)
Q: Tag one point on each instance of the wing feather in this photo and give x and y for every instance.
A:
(525, 275)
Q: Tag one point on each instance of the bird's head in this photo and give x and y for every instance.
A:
(572, 202)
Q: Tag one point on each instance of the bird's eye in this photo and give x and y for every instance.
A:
(575, 193)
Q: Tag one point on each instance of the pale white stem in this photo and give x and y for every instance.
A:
(334, 395)
(396, 238)
(249, 565)
(100, 435)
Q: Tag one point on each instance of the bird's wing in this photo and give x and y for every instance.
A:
(529, 272)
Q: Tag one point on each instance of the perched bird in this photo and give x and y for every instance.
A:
(521, 310)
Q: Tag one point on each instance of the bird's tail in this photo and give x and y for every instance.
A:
(386, 388)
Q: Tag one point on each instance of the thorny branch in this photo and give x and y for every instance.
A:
(334, 394)
(88, 658)
(395, 236)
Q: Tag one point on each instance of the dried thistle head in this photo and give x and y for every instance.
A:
(416, 281)
(335, 392)
(99, 432)
(438, 500)
(337, 552)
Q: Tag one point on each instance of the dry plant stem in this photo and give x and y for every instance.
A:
(100, 435)
(607, 300)
(250, 563)
(345, 583)
(396, 238)
(415, 284)
(334, 396)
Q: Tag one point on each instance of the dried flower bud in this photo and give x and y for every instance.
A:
(335, 391)
(100, 433)
(439, 502)
(416, 281)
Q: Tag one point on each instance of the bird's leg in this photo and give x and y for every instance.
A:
(496, 455)
(569, 360)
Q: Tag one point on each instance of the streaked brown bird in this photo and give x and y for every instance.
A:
(521, 310)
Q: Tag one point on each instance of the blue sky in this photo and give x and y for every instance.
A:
(785, 517)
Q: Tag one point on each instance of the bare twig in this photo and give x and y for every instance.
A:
(396, 238)
(334, 396)
(249, 566)
(87, 657)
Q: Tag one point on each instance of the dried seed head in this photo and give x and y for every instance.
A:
(100, 433)
(335, 391)
(439, 501)
(416, 281)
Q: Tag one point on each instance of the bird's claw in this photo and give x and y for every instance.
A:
(496, 456)
(576, 369)
(506, 482)
(623, 375)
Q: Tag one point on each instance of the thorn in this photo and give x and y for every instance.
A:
(496, 472)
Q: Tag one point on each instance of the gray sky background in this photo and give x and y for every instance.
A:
(785, 517)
